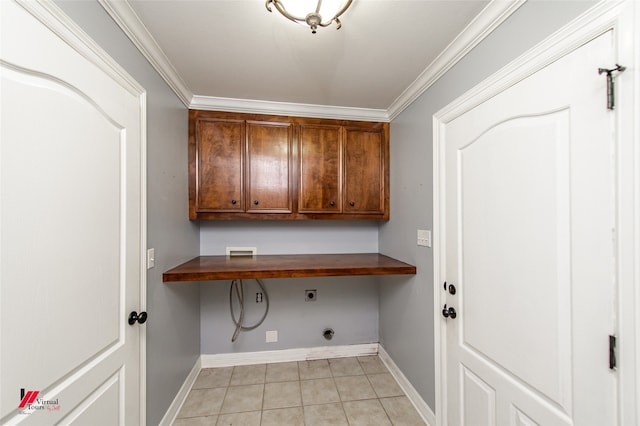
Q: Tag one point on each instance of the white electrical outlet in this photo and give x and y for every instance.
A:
(424, 238)
(272, 336)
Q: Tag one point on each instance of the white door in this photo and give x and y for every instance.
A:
(71, 227)
(530, 230)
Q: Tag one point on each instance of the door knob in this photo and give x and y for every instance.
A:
(451, 288)
(140, 317)
(449, 312)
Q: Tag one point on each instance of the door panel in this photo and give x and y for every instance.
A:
(530, 228)
(522, 225)
(97, 408)
(71, 188)
(521, 419)
(478, 400)
(47, 193)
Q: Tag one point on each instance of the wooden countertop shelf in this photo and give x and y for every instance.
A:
(207, 268)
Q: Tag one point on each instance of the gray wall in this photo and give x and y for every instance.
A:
(173, 329)
(349, 305)
(406, 307)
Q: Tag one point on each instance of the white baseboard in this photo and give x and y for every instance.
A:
(423, 409)
(287, 355)
(176, 405)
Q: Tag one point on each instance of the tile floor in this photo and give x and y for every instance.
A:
(341, 391)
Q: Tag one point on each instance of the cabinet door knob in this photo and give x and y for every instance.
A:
(352, 203)
(256, 202)
(234, 202)
(332, 203)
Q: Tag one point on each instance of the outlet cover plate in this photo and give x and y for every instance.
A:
(272, 336)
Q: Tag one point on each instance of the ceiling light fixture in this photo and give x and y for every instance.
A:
(298, 11)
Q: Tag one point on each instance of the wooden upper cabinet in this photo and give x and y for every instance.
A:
(343, 170)
(255, 166)
(219, 147)
(269, 149)
(320, 169)
(364, 171)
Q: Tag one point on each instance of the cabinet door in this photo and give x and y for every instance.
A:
(219, 152)
(269, 149)
(320, 170)
(364, 171)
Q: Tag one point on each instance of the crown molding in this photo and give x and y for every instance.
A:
(496, 12)
(132, 26)
(482, 25)
(286, 108)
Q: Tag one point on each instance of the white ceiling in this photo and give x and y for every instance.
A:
(235, 55)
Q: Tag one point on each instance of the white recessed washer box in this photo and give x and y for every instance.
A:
(242, 251)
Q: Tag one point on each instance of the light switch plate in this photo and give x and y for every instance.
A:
(424, 238)
(151, 258)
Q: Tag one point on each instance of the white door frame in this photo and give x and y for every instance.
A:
(622, 16)
(64, 27)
